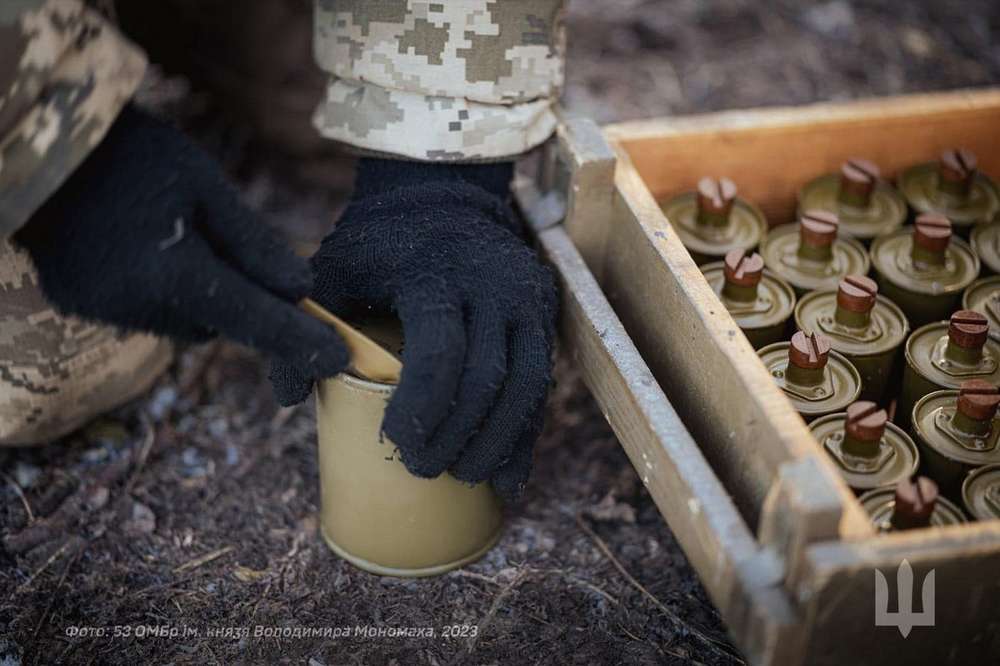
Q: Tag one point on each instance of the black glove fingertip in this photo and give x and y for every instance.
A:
(290, 387)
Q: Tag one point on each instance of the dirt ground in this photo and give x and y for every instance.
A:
(194, 509)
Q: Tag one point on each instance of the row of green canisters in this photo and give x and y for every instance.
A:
(851, 280)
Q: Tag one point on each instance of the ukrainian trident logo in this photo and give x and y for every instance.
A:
(905, 618)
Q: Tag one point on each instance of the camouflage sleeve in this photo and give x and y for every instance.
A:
(64, 75)
(453, 80)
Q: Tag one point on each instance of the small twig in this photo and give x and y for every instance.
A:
(495, 606)
(52, 558)
(147, 445)
(204, 559)
(69, 565)
(712, 643)
(20, 493)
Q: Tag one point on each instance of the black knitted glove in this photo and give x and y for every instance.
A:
(148, 235)
(437, 245)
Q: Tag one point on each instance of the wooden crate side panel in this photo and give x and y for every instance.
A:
(837, 588)
(743, 581)
(740, 419)
(690, 497)
(771, 153)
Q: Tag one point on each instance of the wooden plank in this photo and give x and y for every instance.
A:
(771, 152)
(742, 422)
(837, 591)
(743, 581)
(590, 162)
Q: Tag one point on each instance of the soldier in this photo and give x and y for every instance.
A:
(133, 232)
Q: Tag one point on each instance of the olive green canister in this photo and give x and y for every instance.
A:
(712, 220)
(953, 186)
(923, 269)
(867, 328)
(866, 205)
(868, 450)
(981, 493)
(374, 513)
(983, 296)
(759, 301)
(985, 242)
(912, 504)
(943, 355)
(816, 379)
(810, 255)
(957, 431)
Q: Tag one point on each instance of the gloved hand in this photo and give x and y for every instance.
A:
(438, 245)
(148, 235)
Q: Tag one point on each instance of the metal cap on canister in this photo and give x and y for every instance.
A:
(743, 269)
(857, 293)
(978, 400)
(968, 329)
(865, 422)
(864, 425)
(915, 501)
(808, 351)
(858, 178)
(818, 228)
(957, 171)
(932, 231)
(716, 197)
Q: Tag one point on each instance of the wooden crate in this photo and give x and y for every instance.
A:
(780, 543)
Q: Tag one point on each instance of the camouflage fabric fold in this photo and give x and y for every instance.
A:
(455, 80)
(64, 75)
(57, 373)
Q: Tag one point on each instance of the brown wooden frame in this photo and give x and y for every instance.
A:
(780, 543)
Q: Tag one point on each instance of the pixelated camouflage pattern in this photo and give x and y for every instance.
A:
(453, 80)
(64, 75)
(57, 373)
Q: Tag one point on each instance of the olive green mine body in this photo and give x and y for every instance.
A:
(947, 453)
(707, 242)
(880, 503)
(981, 493)
(985, 242)
(840, 385)
(983, 296)
(780, 252)
(885, 213)
(919, 185)
(928, 368)
(764, 320)
(897, 457)
(873, 349)
(373, 512)
(925, 294)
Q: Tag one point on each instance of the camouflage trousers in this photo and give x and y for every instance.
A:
(57, 373)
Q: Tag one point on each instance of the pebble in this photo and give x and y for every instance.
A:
(26, 474)
(143, 520)
(162, 402)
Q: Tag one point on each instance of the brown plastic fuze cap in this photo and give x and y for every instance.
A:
(808, 351)
(957, 170)
(818, 228)
(932, 231)
(978, 400)
(716, 197)
(865, 421)
(968, 329)
(858, 178)
(743, 269)
(856, 293)
(915, 500)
